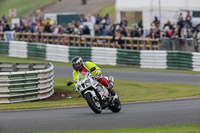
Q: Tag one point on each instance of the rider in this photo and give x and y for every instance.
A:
(82, 67)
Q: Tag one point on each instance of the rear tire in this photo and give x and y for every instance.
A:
(93, 103)
(116, 107)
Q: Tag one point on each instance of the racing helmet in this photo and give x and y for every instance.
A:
(77, 63)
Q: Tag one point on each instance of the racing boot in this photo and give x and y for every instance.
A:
(110, 86)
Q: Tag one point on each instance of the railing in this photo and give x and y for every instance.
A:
(25, 81)
(88, 41)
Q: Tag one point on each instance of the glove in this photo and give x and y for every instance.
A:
(97, 76)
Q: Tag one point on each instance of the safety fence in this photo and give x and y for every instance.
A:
(87, 40)
(21, 82)
(180, 44)
(105, 56)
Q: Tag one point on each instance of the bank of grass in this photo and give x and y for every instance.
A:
(169, 129)
(118, 67)
(22, 6)
(110, 9)
(128, 91)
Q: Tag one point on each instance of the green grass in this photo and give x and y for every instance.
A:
(23, 7)
(128, 91)
(4, 58)
(110, 9)
(169, 129)
(118, 67)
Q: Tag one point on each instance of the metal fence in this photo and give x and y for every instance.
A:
(190, 44)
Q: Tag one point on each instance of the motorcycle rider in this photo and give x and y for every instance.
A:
(83, 67)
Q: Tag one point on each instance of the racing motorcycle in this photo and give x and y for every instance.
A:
(97, 96)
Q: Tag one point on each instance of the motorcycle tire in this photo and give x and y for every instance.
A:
(96, 107)
(116, 107)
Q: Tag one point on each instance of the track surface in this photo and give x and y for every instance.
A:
(148, 114)
(139, 76)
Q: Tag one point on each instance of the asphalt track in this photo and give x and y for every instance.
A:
(166, 113)
(139, 76)
(145, 114)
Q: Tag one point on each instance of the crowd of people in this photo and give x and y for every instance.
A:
(102, 27)
(181, 29)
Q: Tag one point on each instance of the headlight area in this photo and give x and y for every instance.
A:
(78, 87)
(87, 82)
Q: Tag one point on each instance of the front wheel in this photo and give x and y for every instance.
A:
(94, 103)
(116, 107)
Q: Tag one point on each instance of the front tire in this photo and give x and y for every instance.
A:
(94, 103)
(116, 107)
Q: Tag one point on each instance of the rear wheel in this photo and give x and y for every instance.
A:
(116, 107)
(94, 103)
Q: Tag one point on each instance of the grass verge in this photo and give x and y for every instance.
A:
(169, 129)
(128, 91)
(110, 9)
(118, 67)
(22, 10)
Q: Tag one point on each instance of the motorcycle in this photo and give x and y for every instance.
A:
(97, 96)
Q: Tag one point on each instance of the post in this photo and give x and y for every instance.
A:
(160, 18)
(31, 10)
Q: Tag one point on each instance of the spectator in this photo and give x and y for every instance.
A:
(112, 29)
(3, 18)
(6, 27)
(104, 31)
(141, 31)
(107, 19)
(124, 22)
(97, 30)
(169, 25)
(168, 32)
(103, 21)
(68, 30)
(156, 22)
(180, 17)
(188, 19)
(1, 27)
(86, 30)
(54, 29)
(156, 33)
(123, 31)
(181, 22)
(16, 28)
(76, 30)
(98, 19)
(47, 28)
(134, 32)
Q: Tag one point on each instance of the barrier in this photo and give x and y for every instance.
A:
(153, 59)
(107, 56)
(179, 60)
(4, 47)
(57, 53)
(196, 61)
(21, 82)
(128, 57)
(18, 49)
(104, 56)
(84, 52)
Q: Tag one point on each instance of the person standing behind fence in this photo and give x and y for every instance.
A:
(156, 22)
(124, 22)
(188, 19)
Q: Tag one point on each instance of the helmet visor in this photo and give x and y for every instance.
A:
(76, 66)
